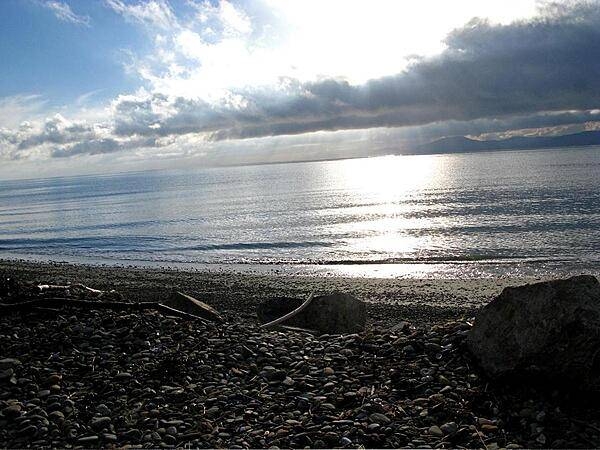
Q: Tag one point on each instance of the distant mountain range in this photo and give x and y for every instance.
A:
(463, 144)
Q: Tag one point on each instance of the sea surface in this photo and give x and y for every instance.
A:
(517, 213)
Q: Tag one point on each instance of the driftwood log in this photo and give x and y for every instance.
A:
(290, 314)
(54, 302)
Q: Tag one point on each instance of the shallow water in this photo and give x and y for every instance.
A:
(487, 214)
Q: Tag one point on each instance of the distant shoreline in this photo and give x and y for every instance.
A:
(387, 153)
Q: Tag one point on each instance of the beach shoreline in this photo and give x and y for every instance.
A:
(233, 292)
(78, 378)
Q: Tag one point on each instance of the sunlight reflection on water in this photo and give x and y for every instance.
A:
(431, 215)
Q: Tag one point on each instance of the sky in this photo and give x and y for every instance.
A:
(111, 85)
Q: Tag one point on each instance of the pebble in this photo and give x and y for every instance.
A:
(98, 423)
(434, 430)
(103, 410)
(9, 363)
(53, 379)
(12, 411)
(379, 418)
(109, 437)
(133, 435)
(57, 416)
(88, 440)
(449, 428)
(116, 380)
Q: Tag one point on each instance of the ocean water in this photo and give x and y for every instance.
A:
(462, 215)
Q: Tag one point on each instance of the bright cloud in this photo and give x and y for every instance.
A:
(63, 12)
(280, 73)
(153, 13)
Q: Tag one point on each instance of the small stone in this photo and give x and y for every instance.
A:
(449, 428)
(12, 411)
(87, 440)
(435, 431)
(123, 376)
(288, 381)
(29, 430)
(170, 440)
(345, 441)
(328, 371)
(56, 416)
(98, 423)
(134, 434)
(212, 412)
(9, 363)
(53, 379)
(487, 428)
(526, 412)
(43, 393)
(171, 430)
(103, 409)
(541, 439)
(6, 374)
(379, 418)
(109, 437)
(443, 380)
(484, 421)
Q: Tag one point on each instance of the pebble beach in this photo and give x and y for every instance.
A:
(75, 378)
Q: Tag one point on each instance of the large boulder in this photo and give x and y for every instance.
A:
(550, 330)
(336, 313)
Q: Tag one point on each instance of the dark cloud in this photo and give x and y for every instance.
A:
(529, 74)
(101, 146)
(488, 71)
(57, 130)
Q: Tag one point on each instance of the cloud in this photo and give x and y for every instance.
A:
(491, 78)
(57, 130)
(221, 19)
(537, 66)
(63, 12)
(18, 108)
(153, 13)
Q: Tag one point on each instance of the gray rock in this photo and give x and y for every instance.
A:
(170, 440)
(134, 434)
(379, 418)
(87, 440)
(336, 313)
(98, 423)
(549, 331)
(109, 437)
(449, 428)
(103, 409)
(6, 374)
(190, 305)
(56, 416)
(435, 431)
(9, 363)
(11, 411)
